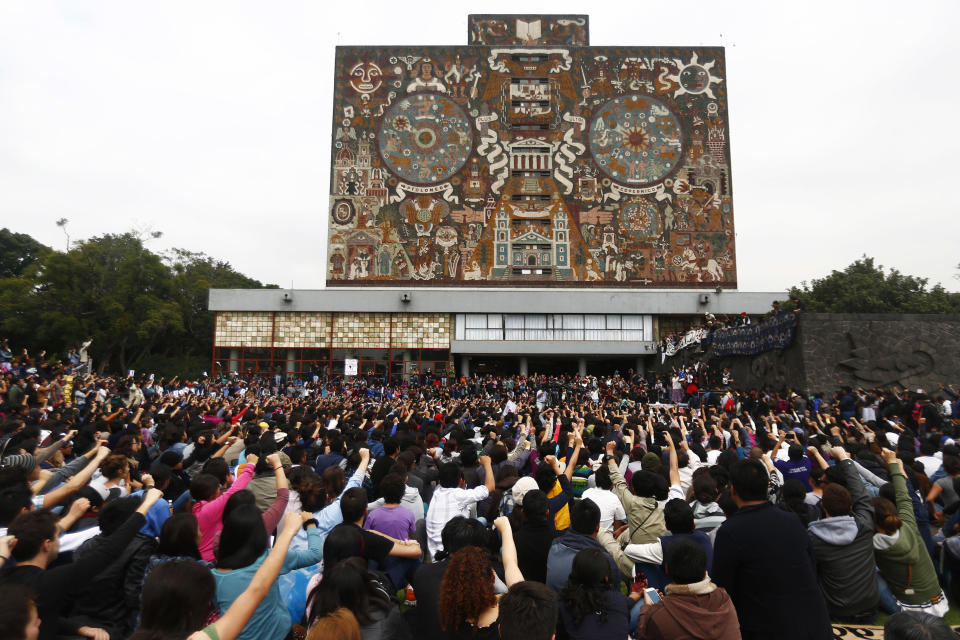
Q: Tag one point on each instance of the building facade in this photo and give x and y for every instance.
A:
(523, 203)
(530, 158)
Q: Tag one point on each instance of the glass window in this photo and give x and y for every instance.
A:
(476, 321)
(535, 321)
(513, 321)
(494, 321)
(633, 322)
(593, 322)
(613, 322)
(572, 321)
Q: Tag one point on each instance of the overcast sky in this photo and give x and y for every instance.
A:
(210, 121)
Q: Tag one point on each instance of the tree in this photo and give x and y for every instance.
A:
(17, 252)
(141, 310)
(864, 287)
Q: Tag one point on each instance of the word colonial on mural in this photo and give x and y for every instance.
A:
(529, 157)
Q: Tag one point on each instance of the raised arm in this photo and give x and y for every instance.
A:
(508, 552)
(231, 623)
(815, 452)
(572, 461)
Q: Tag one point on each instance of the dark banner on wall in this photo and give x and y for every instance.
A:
(773, 333)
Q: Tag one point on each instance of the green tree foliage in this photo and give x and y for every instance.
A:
(17, 252)
(864, 287)
(140, 309)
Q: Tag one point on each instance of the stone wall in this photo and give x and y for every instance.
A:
(868, 350)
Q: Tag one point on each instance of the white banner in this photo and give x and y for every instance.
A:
(445, 188)
(350, 367)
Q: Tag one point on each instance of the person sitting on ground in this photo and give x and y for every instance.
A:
(901, 555)
(242, 550)
(38, 544)
(528, 611)
(349, 584)
(843, 547)
(391, 518)
(582, 534)
(177, 596)
(468, 604)
(913, 625)
(692, 607)
(450, 499)
(591, 605)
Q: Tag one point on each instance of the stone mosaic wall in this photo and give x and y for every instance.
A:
(350, 330)
(243, 329)
(428, 331)
(528, 158)
(361, 331)
(302, 330)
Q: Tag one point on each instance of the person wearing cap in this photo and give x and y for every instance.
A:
(797, 465)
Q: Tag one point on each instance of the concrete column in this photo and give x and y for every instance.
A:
(523, 365)
(234, 364)
(640, 369)
(465, 366)
(582, 366)
(291, 361)
(406, 358)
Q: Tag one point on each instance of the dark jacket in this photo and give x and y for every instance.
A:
(562, 552)
(533, 540)
(843, 550)
(112, 600)
(762, 558)
(55, 587)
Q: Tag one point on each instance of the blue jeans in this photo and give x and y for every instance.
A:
(635, 616)
(888, 602)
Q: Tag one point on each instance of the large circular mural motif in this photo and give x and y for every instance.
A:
(425, 138)
(636, 140)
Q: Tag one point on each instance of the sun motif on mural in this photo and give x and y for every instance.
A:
(694, 78)
(425, 138)
(636, 139)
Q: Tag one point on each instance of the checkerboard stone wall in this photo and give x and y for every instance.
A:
(302, 330)
(350, 330)
(243, 329)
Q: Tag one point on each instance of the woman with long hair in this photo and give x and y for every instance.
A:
(177, 596)
(902, 557)
(243, 548)
(590, 604)
(468, 606)
(348, 584)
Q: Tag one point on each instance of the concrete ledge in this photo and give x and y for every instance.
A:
(463, 300)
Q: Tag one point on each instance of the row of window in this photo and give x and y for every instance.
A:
(557, 327)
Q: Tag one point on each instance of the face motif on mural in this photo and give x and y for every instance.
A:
(365, 77)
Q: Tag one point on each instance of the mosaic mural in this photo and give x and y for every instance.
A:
(528, 159)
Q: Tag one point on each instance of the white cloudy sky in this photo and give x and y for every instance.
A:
(210, 121)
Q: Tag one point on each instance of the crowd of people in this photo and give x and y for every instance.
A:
(523, 507)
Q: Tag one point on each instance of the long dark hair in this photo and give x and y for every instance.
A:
(243, 539)
(350, 585)
(178, 537)
(175, 601)
(589, 580)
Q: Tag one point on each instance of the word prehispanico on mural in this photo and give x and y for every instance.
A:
(529, 157)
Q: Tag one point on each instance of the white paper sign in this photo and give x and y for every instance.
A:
(350, 367)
